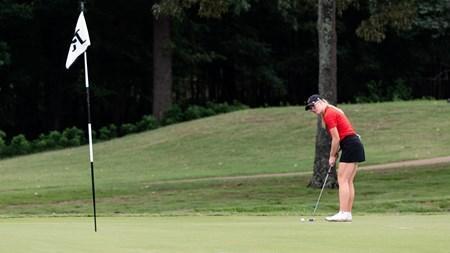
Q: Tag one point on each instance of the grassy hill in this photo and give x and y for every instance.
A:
(130, 171)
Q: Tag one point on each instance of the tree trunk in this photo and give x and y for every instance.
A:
(162, 66)
(326, 27)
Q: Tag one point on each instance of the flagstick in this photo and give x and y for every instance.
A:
(91, 152)
(79, 44)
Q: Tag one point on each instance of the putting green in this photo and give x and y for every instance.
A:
(221, 234)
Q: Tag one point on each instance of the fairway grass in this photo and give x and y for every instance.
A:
(248, 142)
(157, 172)
(227, 234)
(417, 190)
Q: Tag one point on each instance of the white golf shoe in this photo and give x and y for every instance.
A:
(340, 217)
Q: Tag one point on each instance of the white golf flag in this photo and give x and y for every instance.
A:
(80, 41)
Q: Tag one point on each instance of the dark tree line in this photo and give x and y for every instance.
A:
(255, 52)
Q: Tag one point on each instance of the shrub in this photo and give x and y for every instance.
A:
(148, 122)
(40, 143)
(127, 128)
(2, 142)
(2, 138)
(112, 130)
(225, 107)
(236, 106)
(399, 91)
(107, 132)
(54, 139)
(49, 141)
(19, 145)
(374, 93)
(377, 93)
(173, 115)
(74, 137)
(104, 133)
(196, 112)
(219, 108)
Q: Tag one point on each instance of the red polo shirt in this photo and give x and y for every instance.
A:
(334, 118)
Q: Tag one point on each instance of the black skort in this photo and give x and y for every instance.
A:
(352, 150)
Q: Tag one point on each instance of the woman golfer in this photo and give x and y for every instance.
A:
(344, 138)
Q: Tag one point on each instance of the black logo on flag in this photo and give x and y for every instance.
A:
(77, 38)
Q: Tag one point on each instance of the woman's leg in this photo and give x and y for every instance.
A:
(352, 188)
(346, 174)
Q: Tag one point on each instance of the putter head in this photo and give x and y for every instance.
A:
(311, 219)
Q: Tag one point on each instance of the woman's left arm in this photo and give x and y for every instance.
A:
(334, 146)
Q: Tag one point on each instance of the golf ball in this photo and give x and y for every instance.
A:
(302, 219)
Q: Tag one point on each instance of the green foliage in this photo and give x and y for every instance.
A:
(106, 132)
(5, 57)
(225, 107)
(113, 130)
(398, 16)
(219, 108)
(56, 140)
(41, 143)
(173, 115)
(433, 15)
(196, 112)
(399, 91)
(127, 128)
(374, 93)
(10, 10)
(2, 142)
(298, 13)
(205, 8)
(176, 114)
(377, 92)
(2, 136)
(262, 56)
(342, 5)
(257, 52)
(148, 122)
(48, 141)
(73, 137)
(19, 145)
(240, 61)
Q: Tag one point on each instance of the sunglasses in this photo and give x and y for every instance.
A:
(312, 106)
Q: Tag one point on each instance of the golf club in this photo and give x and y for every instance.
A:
(320, 195)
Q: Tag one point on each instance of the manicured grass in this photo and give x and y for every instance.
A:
(243, 234)
(129, 170)
(422, 189)
(397, 131)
